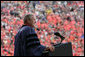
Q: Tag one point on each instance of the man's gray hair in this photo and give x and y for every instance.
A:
(27, 17)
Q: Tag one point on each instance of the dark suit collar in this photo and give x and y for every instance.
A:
(25, 25)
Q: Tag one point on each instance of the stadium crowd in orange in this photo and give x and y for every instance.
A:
(65, 17)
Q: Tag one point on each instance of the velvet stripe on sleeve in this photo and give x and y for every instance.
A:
(27, 43)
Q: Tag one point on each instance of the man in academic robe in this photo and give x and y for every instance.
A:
(26, 40)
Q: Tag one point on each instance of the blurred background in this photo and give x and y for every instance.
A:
(65, 17)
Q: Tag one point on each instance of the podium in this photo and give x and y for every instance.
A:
(63, 49)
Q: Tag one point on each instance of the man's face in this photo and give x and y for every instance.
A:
(33, 19)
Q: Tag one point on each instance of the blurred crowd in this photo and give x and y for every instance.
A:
(65, 17)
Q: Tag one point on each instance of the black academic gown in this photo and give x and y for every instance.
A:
(27, 43)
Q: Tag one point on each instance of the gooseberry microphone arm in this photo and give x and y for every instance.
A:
(58, 34)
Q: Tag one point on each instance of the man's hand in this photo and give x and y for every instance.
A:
(50, 48)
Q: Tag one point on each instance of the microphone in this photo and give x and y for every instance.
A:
(58, 34)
